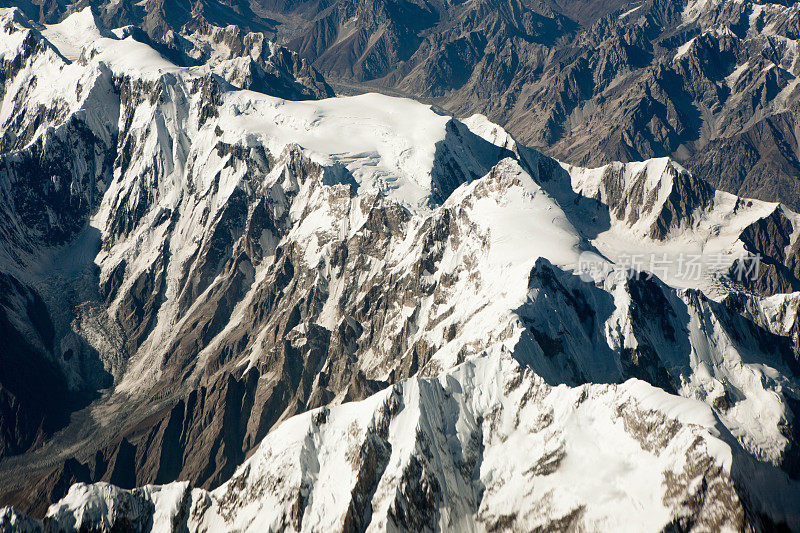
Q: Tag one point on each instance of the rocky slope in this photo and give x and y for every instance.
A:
(247, 59)
(159, 19)
(358, 313)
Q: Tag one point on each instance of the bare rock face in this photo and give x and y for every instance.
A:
(33, 390)
(155, 17)
(770, 238)
(759, 162)
(228, 37)
(250, 61)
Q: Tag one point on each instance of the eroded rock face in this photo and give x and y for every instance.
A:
(771, 239)
(32, 388)
(251, 61)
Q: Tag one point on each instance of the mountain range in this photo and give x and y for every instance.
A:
(232, 301)
(711, 84)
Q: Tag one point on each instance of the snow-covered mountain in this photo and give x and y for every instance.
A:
(485, 446)
(358, 313)
(712, 84)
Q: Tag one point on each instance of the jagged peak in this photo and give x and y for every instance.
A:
(392, 454)
(651, 197)
(13, 14)
(76, 32)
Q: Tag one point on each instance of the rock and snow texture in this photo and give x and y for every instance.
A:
(485, 446)
(713, 84)
(377, 304)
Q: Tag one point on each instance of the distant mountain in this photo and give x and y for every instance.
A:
(229, 37)
(156, 17)
(228, 309)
